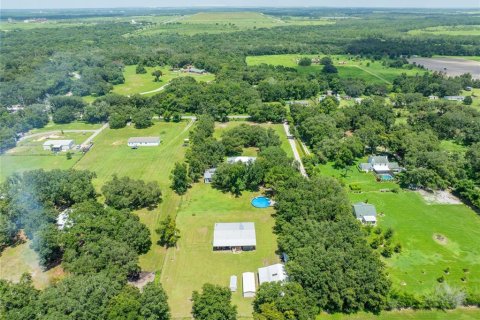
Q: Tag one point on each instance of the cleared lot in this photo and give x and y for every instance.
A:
(450, 66)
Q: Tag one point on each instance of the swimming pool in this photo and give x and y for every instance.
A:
(385, 177)
(261, 202)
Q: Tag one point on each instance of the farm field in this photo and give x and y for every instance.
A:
(348, 67)
(457, 314)
(141, 83)
(111, 155)
(416, 224)
(457, 30)
(220, 22)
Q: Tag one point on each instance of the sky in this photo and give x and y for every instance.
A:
(54, 4)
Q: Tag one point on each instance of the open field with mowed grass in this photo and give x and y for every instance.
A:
(348, 67)
(457, 30)
(457, 314)
(416, 223)
(76, 125)
(111, 155)
(194, 262)
(138, 83)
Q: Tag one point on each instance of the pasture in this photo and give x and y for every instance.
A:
(457, 30)
(348, 66)
(76, 125)
(458, 314)
(145, 84)
(416, 224)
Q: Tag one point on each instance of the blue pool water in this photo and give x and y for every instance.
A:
(261, 202)
(386, 177)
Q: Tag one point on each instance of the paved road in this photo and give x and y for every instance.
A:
(296, 155)
(155, 90)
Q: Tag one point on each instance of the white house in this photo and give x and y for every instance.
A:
(241, 159)
(63, 220)
(143, 142)
(273, 273)
(432, 97)
(233, 283)
(454, 98)
(379, 164)
(249, 287)
(58, 145)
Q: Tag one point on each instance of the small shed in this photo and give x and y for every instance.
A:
(233, 283)
(365, 213)
(249, 287)
(273, 273)
(143, 142)
(208, 175)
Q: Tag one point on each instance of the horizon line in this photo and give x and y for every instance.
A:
(238, 7)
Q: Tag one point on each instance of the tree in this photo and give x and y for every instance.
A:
(117, 120)
(153, 302)
(231, 178)
(326, 61)
(157, 74)
(142, 118)
(46, 242)
(286, 300)
(8, 139)
(65, 114)
(180, 178)
(213, 303)
(19, 300)
(305, 62)
(126, 305)
(329, 68)
(467, 100)
(125, 192)
(168, 232)
(140, 69)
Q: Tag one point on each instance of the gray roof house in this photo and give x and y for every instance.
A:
(234, 236)
(454, 98)
(365, 213)
(208, 175)
(379, 164)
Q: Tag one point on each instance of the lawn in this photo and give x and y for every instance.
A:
(194, 263)
(348, 67)
(141, 83)
(111, 155)
(416, 223)
(458, 314)
(76, 125)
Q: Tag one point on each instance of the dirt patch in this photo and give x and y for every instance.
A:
(439, 197)
(203, 231)
(117, 143)
(440, 239)
(143, 279)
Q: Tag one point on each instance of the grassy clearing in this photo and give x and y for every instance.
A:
(138, 83)
(423, 259)
(14, 261)
(452, 146)
(348, 67)
(457, 30)
(194, 263)
(459, 314)
(111, 155)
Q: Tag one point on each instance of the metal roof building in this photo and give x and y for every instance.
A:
(273, 273)
(241, 159)
(143, 141)
(365, 212)
(58, 145)
(237, 236)
(249, 287)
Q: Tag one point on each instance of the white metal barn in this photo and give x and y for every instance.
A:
(233, 283)
(273, 273)
(58, 145)
(143, 141)
(241, 159)
(234, 236)
(249, 288)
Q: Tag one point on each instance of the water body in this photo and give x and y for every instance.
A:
(450, 66)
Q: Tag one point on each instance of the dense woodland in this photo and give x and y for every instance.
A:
(331, 265)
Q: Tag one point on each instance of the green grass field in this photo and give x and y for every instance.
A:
(348, 67)
(76, 125)
(416, 223)
(139, 83)
(457, 314)
(457, 30)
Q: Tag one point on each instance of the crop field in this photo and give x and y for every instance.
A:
(144, 83)
(457, 30)
(417, 224)
(348, 67)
